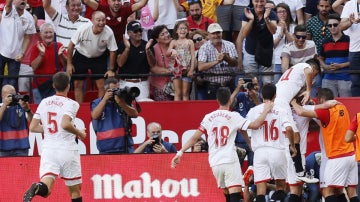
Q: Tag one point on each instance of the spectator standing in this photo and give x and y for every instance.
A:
(220, 126)
(258, 27)
(66, 24)
(161, 68)
(209, 7)
(266, 140)
(296, 10)
(111, 119)
(182, 51)
(217, 56)
(16, 28)
(167, 13)
(93, 46)
(229, 18)
(47, 57)
(116, 14)
(155, 143)
(59, 156)
(350, 22)
(317, 31)
(334, 59)
(199, 37)
(14, 119)
(134, 56)
(284, 35)
(300, 50)
(340, 169)
(196, 19)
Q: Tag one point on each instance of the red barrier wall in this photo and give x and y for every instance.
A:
(135, 177)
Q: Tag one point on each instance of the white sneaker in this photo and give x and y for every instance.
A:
(308, 179)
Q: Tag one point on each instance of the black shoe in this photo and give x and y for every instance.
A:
(30, 193)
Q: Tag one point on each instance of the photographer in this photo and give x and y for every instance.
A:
(111, 118)
(155, 144)
(14, 131)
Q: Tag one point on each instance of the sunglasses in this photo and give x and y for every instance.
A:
(198, 39)
(301, 36)
(193, 1)
(332, 25)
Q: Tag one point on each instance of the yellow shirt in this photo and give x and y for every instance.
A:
(209, 8)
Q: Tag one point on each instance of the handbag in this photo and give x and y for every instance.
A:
(169, 88)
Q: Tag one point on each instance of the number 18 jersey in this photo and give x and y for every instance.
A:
(51, 111)
(221, 126)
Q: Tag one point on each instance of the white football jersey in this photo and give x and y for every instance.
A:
(221, 127)
(291, 82)
(302, 124)
(271, 133)
(51, 111)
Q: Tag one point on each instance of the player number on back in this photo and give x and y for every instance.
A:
(271, 132)
(221, 135)
(286, 75)
(53, 126)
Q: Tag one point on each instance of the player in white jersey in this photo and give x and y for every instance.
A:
(55, 118)
(290, 83)
(269, 144)
(221, 126)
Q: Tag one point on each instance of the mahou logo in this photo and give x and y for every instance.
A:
(145, 187)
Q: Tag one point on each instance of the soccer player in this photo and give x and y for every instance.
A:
(220, 126)
(271, 139)
(55, 117)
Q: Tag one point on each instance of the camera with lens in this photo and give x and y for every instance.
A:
(17, 97)
(204, 146)
(127, 93)
(248, 84)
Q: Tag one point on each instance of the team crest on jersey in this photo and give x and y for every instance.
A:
(119, 19)
(341, 112)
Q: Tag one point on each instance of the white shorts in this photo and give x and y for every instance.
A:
(65, 163)
(269, 163)
(228, 175)
(324, 160)
(341, 172)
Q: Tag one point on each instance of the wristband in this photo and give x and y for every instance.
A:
(27, 111)
(179, 153)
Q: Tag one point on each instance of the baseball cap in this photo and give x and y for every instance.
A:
(133, 26)
(214, 27)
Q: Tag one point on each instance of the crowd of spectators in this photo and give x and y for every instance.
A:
(283, 33)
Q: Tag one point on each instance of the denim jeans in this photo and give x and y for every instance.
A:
(354, 59)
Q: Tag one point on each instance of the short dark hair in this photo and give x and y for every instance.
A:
(157, 30)
(334, 16)
(325, 93)
(195, 2)
(61, 80)
(316, 63)
(299, 28)
(268, 91)
(223, 95)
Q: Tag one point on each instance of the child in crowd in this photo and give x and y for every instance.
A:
(182, 51)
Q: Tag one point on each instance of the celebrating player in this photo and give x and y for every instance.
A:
(55, 117)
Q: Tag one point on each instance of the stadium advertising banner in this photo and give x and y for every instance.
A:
(133, 177)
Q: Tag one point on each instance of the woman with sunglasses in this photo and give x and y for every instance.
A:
(283, 35)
